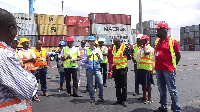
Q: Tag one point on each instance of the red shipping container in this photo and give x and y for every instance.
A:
(51, 41)
(78, 31)
(128, 19)
(109, 19)
(77, 21)
(117, 18)
(123, 19)
(97, 17)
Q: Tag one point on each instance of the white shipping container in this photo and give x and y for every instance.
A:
(24, 18)
(125, 39)
(111, 29)
(32, 37)
(27, 29)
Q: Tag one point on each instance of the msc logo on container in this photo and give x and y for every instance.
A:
(101, 28)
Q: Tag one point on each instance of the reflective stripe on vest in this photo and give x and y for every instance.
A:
(145, 61)
(118, 59)
(16, 105)
(171, 44)
(92, 62)
(18, 57)
(40, 57)
(30, 66)
(73, 54)
(136, 49)
(105, 58)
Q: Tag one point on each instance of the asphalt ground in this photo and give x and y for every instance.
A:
(187, 81)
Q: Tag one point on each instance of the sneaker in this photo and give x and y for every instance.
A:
(124, 103)
(92, 101)
(95, 90)
(101, 100)
(104, 85)
(136, 93)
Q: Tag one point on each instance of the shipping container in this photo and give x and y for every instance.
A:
(50, 19)
(51, 41)
(197, 47)
(182, 48)
(152, 41)
(125, 39)
(52, 29)
(152, 24)
(51, 49)
(196, 41)
(106, 18)
(182, 30)
(23, 18)
(187, 29)
(27, 29)
(194, 28)
(77, 21)
(191, 34)
(197, 34)
(186, 47)
(32, 37)
(191, 48)
(78, 31)
(111, 29)
(181, 42)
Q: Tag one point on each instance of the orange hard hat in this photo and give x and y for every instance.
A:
(162, 24)
(144, 37)
(70, 39)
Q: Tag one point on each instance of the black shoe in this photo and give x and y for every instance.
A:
(86, 91)
(161, 110)
(101, 100)
(104, 85)
(68, 94)
(136, 93)
(95, 90)
(77, 95)
(92, 101)
(124, 103)
(117, 102)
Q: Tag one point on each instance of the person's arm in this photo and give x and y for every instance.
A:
(48, 59)
(177, 51)
(146, 52)
(105, 52)
(22, 83)
(128, 53)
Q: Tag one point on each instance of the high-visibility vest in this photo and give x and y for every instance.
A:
(18, 57)
(145, 61)
(171, 44)
(73, 53)
(135, 54)
(118, 58)
(81, 50)
(30, 65)
(40, 57)
(15, 105)
(92, 62)
(105, 58)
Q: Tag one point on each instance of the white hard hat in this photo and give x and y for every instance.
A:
(15, 38)
(139, 36)
(101, 39)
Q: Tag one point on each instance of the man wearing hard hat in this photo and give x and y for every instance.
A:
(104, 62)
(71, 55)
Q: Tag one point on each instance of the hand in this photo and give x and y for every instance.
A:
(73, 61)
(89, 56)
(32, 60)
(68, 57)
(97, 54)
(47, 66)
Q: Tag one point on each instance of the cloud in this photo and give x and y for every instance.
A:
(177, 13)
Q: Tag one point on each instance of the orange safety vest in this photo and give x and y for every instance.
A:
(40, 57)
(16, 104)
(30, 65)
(18, 57)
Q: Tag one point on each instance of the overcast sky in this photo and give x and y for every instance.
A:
(176, 13)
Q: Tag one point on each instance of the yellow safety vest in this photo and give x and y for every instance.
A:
(118, 58)
(171, 44)
(145, 61)
(73, 54)
(105, 58)
(40, 57)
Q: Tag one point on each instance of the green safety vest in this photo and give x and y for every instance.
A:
(119, 60)
(145, 61)
(171, 44)
(105, 58)
(73, 54)
(136, 49)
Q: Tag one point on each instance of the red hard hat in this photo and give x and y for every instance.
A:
(70, 39)
(162, 24)
(144, 37)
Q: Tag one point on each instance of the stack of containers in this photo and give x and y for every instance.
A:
(107, 26)
(28, 27)
(149, 29)
(78, 27)
(189, 38)
(51, 29)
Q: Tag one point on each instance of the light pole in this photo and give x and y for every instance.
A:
(140, 17)
(62, 6)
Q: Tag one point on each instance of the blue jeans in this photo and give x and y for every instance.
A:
(62, 78)
(167, 78)
(97, 74)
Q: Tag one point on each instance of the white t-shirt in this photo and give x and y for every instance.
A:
(73, 49)
(142, 49)
(27, 53)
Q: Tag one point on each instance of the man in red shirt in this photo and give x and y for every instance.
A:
(110, 61)
(167, 56)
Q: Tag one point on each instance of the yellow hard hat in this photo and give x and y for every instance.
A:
(21, 41)
(96, 42)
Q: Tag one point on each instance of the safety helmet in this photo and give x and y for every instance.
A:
(62, 43)
(91, 38)
(22, 40)
(101, 39)
(162, 24)
(139, 36)
(144, 37)
(96, 42)
(70, 39)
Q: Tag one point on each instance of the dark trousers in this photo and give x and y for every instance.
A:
(104, 67)
(41, 76)
(68, 73)
(136, 79)
(120, 76)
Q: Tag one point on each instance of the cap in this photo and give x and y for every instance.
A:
(162, 24)
(144, 37)
(101, 39)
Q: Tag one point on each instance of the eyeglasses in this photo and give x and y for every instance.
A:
(12, 26)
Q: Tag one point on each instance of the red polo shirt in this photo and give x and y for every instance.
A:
(163, 56)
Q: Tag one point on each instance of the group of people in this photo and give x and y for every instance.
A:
(22, 70)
